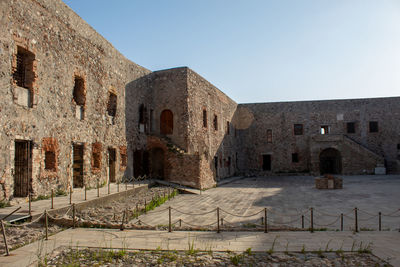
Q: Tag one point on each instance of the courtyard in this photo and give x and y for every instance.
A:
(287, 199)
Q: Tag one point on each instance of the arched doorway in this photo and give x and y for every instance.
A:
(166, 122)
(330, 161)
(157, 163)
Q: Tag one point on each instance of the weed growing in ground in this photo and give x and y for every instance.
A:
(271, 250)
(248, 252)
(4, 204)
(236, 259)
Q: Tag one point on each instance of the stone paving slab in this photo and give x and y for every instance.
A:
(287, 198)
(385, 245)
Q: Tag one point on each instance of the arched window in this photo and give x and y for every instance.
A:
(166, 122)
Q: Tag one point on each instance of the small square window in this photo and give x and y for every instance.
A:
(295, 157)
(351, 127)
(298, 129)
(373, 127)
(325, 129)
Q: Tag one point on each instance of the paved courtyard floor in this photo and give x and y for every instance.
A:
(287, 198)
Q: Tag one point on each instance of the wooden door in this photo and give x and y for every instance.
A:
(23, 168)
(166, 122)
(77, 165)
(111, 164)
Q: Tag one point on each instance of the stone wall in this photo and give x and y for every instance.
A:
(64, 47)
(360, 150)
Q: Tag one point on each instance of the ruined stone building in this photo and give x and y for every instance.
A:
(74, 112)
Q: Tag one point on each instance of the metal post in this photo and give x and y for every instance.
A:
(145, 205)
(5, 238)
(222, 221)
(302, 221)
(108, 186)
(380, 221)
(180, 222)
(85, 192)
(118, 187)
(30, 203)
(127, 216)
(218, 231)
(73, 215)
(98, 190)
(126, 185)
(169, 222)
(122, 222)
(265, 221)
(46, 224)
(355, 219)
(52, 198)
(341, 221)
(312, 220)
(70, 195)
(262, 220)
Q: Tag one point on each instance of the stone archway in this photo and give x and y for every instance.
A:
(157, 163)
(330, 161)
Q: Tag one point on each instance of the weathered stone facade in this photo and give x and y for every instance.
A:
(74, 111)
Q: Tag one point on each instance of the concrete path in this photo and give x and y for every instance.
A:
(287, 198)
(78, 196)
(385, 245)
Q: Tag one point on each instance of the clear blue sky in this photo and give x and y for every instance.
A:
(261, 50)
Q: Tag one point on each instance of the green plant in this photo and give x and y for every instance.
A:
(191, 250)
(320, 253)
(271, 250)
(365, 249)
(236, 259)
(366, 229)
(60, 193)
(4, 204)
(248, 251)
(303, 249)
(41, 197)
(327, 245)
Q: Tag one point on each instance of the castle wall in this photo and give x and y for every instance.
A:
(281, 117)
(63, 47)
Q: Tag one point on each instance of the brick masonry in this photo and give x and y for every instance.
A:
(120, 106)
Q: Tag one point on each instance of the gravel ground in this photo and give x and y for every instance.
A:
(21, 235)
(112, 212)
(95, 257)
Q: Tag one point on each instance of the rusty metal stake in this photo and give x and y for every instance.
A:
(222, 221)
(73, 216)
(180, 222)
(122, 222)
(85, 192)
(108, 186)
(341, 221)
(46, 224)
(312, 220)
(356, 219)
(5, 238)
(145, 205)
(169, 222)
(70, 195)
(218, 231)
(302, 221)
(265, 221)
(98, 189)
(52, 198)
(30, 203)
(380, 221)
(118, 187)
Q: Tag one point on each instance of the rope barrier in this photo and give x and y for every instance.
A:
(391, 214)
(24, 224)
(242, 216)
(329, 224)
(324, 214)
(194, 214)
(370, 214)
(287, 215)
(282, 223)
(374, 216)
(196, 225)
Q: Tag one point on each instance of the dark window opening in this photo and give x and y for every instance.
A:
(112, 104)
(228, 128)
(298, 129)
(23, 74)
(166, 122)
(123, 160)
(398, 146)
(295, 157)
(79, 91)
(151, 120)
(325, 129)
(215, 122)
(96, 156)
(266, 162)
(142, 118)
(50, 160)
(269, 136)
(123, 157)
(204, 118)
(351, 127)
(373, 127)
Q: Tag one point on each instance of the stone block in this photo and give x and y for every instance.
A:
(380, 170)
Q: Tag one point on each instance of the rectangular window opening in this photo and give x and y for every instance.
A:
(112, 104)
(298, 129)
(204, 118)
(215, 122)
(373, 127)
(351, 127)
(269, 136)
(295, 157)
(325, 129)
